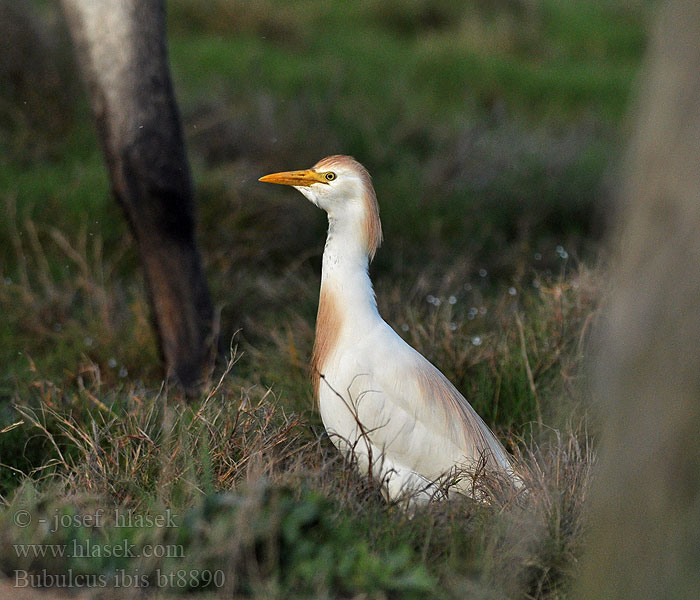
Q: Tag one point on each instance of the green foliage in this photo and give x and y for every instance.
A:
(313, 548)
(294, 540)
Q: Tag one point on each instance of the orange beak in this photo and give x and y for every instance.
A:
(296, 178)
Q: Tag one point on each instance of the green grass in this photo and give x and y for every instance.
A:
(491, 130)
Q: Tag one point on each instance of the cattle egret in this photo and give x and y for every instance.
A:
(380, 400)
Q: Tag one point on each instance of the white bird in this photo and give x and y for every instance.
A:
(380, 399)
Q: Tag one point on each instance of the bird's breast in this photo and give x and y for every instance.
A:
(329, 326)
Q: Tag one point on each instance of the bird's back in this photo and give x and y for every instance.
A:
(378, 387)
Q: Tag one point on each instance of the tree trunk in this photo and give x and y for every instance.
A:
(122, 51)
(645, 537)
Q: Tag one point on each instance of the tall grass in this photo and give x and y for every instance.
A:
(264, 498)
(262, 495)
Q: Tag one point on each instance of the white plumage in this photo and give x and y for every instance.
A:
(379, 398)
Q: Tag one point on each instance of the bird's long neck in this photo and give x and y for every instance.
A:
(345, 271)
(347, 297)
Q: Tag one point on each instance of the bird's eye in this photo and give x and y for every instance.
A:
(330, 176)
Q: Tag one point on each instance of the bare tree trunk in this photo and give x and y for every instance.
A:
(645, 538)
(122, 51)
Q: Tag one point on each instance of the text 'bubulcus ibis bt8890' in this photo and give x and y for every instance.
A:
(380, 399)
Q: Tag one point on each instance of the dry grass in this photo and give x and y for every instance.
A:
(264, 492)
(242, 459)
(67, 296)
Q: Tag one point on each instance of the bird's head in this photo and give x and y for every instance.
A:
(343, 188)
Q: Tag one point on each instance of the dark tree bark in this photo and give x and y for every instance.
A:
(121, 48)
(645, 534)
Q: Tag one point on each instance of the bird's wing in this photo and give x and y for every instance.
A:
(415, 412)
